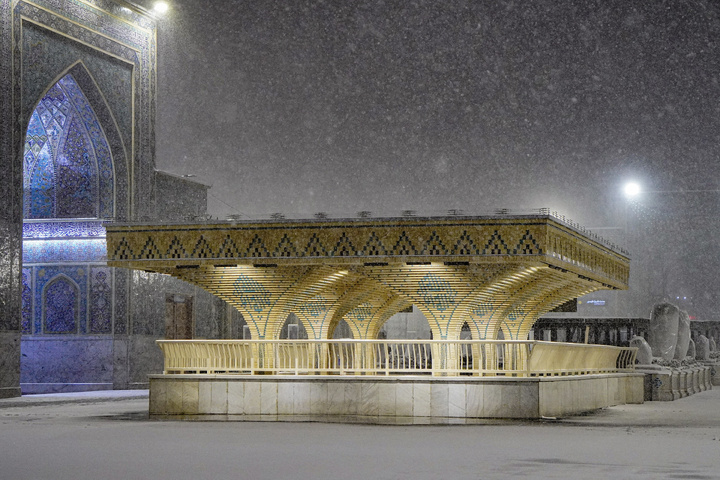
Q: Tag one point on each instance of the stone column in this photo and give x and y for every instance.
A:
(10, 216)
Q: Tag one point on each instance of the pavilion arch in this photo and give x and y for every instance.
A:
(293, 319)
(338, 327)
(416, 316)
(61, 305)
(89, 115)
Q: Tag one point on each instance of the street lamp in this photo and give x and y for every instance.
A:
(632, 189)
(161, 7)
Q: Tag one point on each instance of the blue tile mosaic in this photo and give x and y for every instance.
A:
(61, 302)
(73, 229)
(26, 295)
(68, 169)
(71, 281)
(64, 250)
(100, 300)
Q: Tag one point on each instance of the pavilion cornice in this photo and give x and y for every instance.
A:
(532, 240)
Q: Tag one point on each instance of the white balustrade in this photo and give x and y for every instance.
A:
(519, 358)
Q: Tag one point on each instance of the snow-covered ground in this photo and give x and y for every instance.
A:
(107, 435)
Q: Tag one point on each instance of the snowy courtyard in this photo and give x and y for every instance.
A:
(109, 435)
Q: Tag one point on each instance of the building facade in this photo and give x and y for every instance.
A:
(77, 128)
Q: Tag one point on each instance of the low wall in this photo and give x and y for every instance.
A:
(714, 372)
(667, 384)
(77, 363)
(379, 399)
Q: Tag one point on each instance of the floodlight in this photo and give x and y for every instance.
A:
(632, 189)
(161, 7)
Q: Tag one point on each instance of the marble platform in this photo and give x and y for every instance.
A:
(379, 399)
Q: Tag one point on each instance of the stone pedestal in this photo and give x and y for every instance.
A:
(667, 384)
(713, 372)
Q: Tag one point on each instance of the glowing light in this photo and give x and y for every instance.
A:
(632, 189)
(161, 7)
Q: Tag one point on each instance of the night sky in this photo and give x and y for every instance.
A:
(308, 106)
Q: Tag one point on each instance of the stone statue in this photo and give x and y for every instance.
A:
(644, 354)
(702, 348)
(683, 336)
(663, 331)
(713, 345)
(691, 349)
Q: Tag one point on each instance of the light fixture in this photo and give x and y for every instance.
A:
(632, 189)
(161, 7)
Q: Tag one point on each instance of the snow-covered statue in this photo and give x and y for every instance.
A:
(691, 349)
(663, 331)
(683, 336)
(713, 345)
(644, 354)
(702, 348)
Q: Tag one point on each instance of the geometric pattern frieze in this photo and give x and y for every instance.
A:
(474, 240)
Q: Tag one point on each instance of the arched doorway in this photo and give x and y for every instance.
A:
(69, 188)
(67, 165)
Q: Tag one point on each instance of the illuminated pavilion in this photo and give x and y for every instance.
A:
(495, 273)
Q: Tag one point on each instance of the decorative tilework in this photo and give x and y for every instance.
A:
(202, 249)
(123, 250)
(344, 247)
(315, 247)
(228, 249)
(465, 245)
(437, 292)
(121, 56)
(176, 249)
(100, 300)
(61, 306)
(374, 246)
(26, 322)
(64, 250)
(496, 245)
(75, 279)
(67, 162)
(360, 317)
(314, 307)
(362, 312)
(404, 246)
(527, 245)
(251, 294)
(257, 248)
(121, 300)
(150, 250)
(33, 230)
(427, 240)
(482, 310)
(434, 246)
(285, 248)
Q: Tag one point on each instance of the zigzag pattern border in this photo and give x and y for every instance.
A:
(343, 247)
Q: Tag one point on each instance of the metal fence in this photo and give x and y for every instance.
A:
(393, 357)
